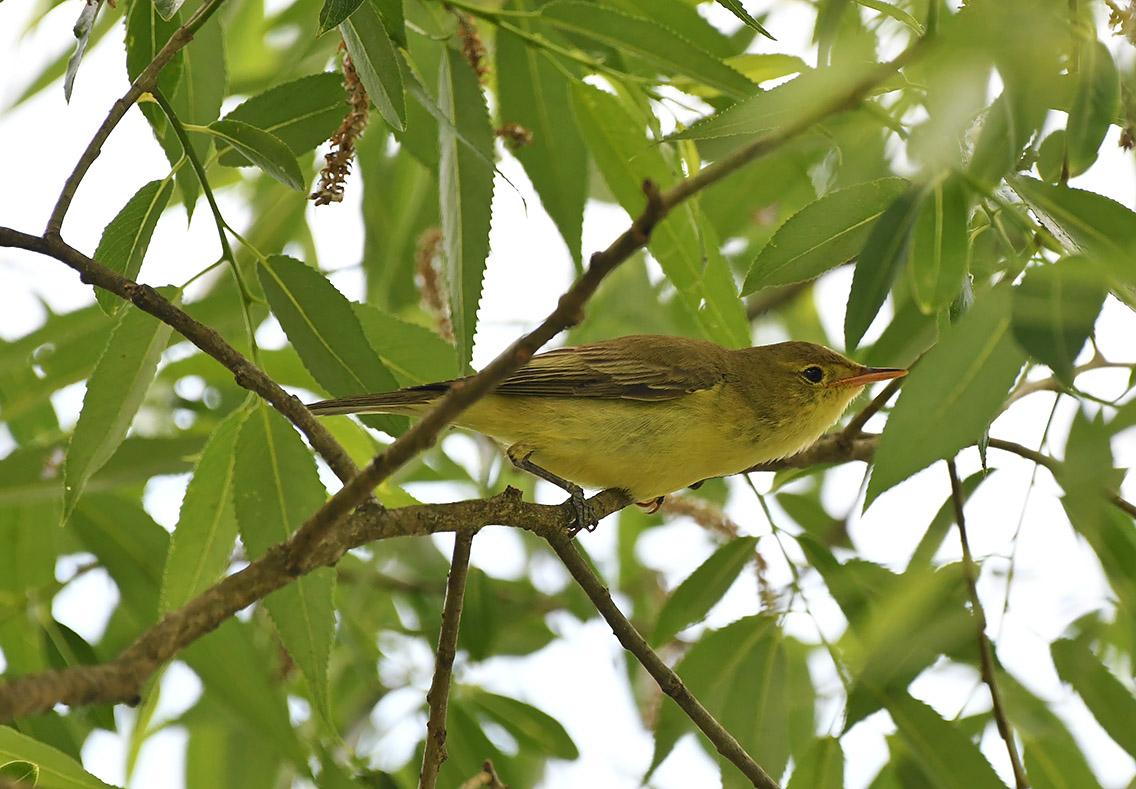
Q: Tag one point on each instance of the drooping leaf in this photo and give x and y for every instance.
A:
(207, 528)
(84, 26)
(261, 148)
(1110, 700)
(535, 94)
(884, 253)
(322, 328)
(951, 397)
(127, 237)
(53, 769)
(1094, 105)
(822, 235)
(276, 488)
(373, 54)
(466, 193)
(334, 12)
(114, 392)
(738, 10)
(941, 247)
(1055, 308)
(537, 730)
(694, 597)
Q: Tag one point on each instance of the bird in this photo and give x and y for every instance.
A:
(648, 414)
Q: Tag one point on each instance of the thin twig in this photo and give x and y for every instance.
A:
(438, 696)
(985, 651)
(144, 83)
(664, 675)
(486, 778)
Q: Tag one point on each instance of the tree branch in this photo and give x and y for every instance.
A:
(439, 694)
(985, 651)
(664, 675)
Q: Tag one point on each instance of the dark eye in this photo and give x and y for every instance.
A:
(813, 374)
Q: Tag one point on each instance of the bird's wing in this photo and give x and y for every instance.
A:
(630, 368)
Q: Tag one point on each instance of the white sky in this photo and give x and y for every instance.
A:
(579, 678)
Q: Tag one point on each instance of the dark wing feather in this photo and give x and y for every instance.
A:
(647, 367)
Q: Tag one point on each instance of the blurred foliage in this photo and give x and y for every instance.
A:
(946, 188)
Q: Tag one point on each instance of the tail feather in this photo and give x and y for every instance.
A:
(401, 401)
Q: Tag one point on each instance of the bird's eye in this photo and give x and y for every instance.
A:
(813, 374)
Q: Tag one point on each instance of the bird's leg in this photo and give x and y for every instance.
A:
(585, 516)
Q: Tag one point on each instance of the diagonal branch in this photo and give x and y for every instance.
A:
(438, 696)
(668, 680)
(985, 651)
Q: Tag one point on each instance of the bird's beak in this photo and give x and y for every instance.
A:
(869, 375)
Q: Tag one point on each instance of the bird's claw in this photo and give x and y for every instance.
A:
(585, 514)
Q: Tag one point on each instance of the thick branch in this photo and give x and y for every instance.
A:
(985, 651)
(438, 696)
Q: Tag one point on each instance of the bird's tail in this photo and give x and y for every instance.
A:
(403, 401)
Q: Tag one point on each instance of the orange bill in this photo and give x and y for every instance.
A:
(869, 375)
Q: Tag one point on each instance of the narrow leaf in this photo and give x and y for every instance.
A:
(1055, 308)
(821, 768)
(1110, 701)
(884, 252)
(413, 354)
(303, 113)
(466, 193)
(536, 731)
(946, 754)
(207, 528)
(334, 12)
(55, 769)
(822, 235)
(115, 390)
(125, 240)
(738, 10)
(1094, 105)
(373, 54)
(694, 597)
(949, 400)
(322, 328)
(648, 40)
(941, 247)
(276, 488)
(261, 148)
(535, 93)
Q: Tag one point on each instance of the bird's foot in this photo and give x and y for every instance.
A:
(585, 515)
(652, 506)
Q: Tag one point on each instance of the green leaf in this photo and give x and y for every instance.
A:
(1055, 308)
(685, 247)
(373, 54)
(647, 40)
(941, 247)
(55, 769)
(128, 544)
(146, 34)
(1008, 127)
(822, 235)
(1094, 105)
(694, 597)
(739, 674)
(884, 253)
(261, 148)
(952, 396)
(1087, 222)
(322, 328)
(821, 768)
(465, 190)
(207, 528)
(276, 488)
(536, 731)
(535, 93)
(738, 10)
(334, 12)
(125, 240)
(1110, 700)
(115, 390)
(414, 355)
(944, 753)
(303, 113)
